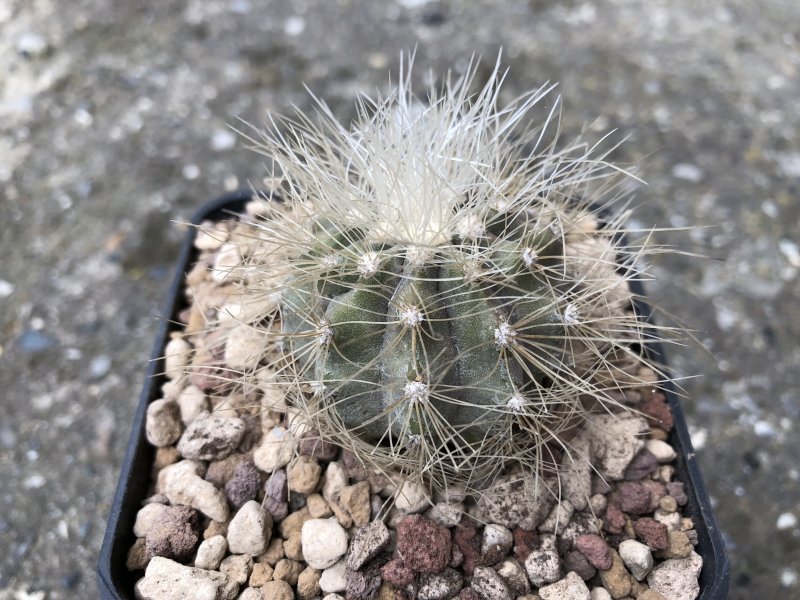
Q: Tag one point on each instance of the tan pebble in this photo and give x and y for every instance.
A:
(237, 567)
(356, 501)
(666, 473)
(687, 524)
(210, 235)
(277, 590)
(658, 434)
(616, 580)
(294, 522)
(649, 594)
(637, 588)
(261, 574)
(668, 504)
(663, 452)
(671, 519)
(137, 556)
(177, 355)
(679, 545)
(318, 507)
(385, 592)
(308, 584)
(273, 554)
(303, 474)
(215, 528)
(288, 571)
(344, 518)
(293, 547)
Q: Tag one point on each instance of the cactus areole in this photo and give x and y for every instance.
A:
(447, 299)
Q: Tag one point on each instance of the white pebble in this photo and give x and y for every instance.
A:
(676, 578)
(637, 557)
(146, 517)
(244, 347)
(663, 452)
(324, 542)
(543, 566)
(211, 552)
(334, 578)
(599, 593)
(192, 402)
(181, 483)
(177, 355)
(572, 587)
(410, 497)
(250, 530)
(275, 451)
(496, 535)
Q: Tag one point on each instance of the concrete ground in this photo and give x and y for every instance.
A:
(113, 124)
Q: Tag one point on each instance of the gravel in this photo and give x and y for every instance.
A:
(110, 117)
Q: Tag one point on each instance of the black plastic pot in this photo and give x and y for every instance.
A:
(115, 582)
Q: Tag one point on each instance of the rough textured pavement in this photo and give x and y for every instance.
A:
(113, 124)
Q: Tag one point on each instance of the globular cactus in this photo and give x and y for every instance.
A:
(451, 287)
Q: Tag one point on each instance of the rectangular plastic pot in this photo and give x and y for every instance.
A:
(115, 582)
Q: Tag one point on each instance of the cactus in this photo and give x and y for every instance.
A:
(451, 286)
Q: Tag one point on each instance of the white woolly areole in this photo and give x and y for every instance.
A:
(368, 264)
(318, 388)
(413, 440)
(331, 261)
(529, 257)
(416, 391)
(324, 334)
(516, 403)
(471, 227)
(505, 335)
(411, 316)
(571, 315)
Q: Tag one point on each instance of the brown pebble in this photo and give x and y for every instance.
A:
(668, 504)
(657, 491)
(355, 499)
(288, 571)
(576, 561)
(294, 522)
(318, 507)
(678, 545)
(642, 465)
(397, 573)
(137, 556)
(308, 584)
(312, 445)
(525, 541)
(274, 552)
(616, 579)
(220, 472)
(658, 434)
(675, 489)
(465, 536)
(165, 457)
(261, 574)
(293, 547)
(650, 595)
(215, 528)
(303, 474)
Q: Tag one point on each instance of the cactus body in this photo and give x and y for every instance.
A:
(448, 302)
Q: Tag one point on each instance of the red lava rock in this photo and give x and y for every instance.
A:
(642, 465)
(244, 485)
(525, 541)
(675, 489)
(174, 534)
(657, 491)
(423, 545)
(313, 445)
(465, 536)
(614, 520)
(652, 533)
(595, 549)
(633, 498)
(396, 573)
(469, 594)
(658, 412)
(576, 561)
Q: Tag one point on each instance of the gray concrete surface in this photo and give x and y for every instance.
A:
(113, 124)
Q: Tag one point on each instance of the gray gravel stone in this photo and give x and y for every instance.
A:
(211, 437)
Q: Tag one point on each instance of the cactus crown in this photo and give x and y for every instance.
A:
(451, 286)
